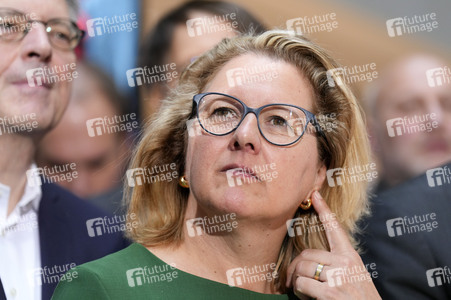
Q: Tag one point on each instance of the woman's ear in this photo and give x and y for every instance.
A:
(319, 180)
(320, 177)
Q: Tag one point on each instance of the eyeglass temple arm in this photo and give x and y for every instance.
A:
(193, 111)
(318, 128)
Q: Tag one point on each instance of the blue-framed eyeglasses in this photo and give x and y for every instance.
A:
(280, 124)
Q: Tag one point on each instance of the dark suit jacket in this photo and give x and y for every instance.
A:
(63, 233)
(403, 258)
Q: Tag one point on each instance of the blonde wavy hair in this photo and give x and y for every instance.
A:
(160, 206)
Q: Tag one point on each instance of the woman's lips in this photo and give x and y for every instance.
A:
(240, 170)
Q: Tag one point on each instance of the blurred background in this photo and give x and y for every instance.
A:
(361, 36)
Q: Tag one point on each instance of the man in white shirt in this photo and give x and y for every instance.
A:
(43, 229)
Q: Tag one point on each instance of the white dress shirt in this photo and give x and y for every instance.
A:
(20, 255)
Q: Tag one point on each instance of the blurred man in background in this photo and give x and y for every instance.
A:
(409, 120)
(43, 228)
(101, 159)
(407, 236)
(178, 38)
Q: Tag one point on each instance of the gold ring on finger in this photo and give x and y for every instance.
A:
(319, 269)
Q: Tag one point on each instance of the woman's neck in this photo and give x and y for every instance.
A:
(245, 256)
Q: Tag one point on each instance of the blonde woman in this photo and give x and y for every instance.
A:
(252, 157)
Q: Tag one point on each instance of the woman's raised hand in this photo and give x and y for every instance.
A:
(335, 274)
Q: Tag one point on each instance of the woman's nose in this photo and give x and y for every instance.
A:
(247, 136)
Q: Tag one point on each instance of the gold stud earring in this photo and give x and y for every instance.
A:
(183, 182)
(306, 206)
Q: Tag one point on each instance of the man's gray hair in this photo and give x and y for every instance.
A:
(73, 9)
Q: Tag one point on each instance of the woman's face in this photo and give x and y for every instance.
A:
(288, 174)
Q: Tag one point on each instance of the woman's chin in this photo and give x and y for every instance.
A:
(240, 201)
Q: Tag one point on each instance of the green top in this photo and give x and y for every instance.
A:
(135, 273)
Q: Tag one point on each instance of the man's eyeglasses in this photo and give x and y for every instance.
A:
(63, 33)
(280, 124)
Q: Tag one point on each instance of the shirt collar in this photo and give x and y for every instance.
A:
(32, 195)
(30, 199)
